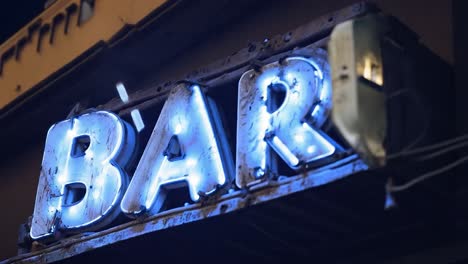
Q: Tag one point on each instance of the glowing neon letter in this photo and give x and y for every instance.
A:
(81, 181)
(280, 107)
(187, 148)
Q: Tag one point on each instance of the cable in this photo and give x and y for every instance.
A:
(442, 151)
(405, 186)
(428, 148)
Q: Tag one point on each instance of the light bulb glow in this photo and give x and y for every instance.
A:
(95, 166)
(193, 158)
(293, 139)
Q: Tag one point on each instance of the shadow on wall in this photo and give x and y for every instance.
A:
(19, 177)
(430, 19)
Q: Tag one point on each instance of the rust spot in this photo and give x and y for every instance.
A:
(224, 208)
(344, 76)
(138, 228)
(251, 47)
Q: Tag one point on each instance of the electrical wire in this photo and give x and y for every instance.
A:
(411, 183)
(442, 151)
(435, 146)
(408, 150)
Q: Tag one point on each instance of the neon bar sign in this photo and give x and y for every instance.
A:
(84, 183)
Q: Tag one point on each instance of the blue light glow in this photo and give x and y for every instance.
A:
(299, 138)
(177, 129)
(95, 169)
(196, 161)
(122, 92)
(137, 120)
(282, 148)
(311, 149)
(295, 141)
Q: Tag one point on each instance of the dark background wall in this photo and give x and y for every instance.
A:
(431, 19)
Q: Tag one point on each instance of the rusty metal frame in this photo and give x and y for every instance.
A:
(302, 41)
(296, 42)
(228, 203)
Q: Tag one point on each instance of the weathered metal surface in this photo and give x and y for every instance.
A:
(228, 203)
(314, 31)
(359, 102)
(289, 127)
(308, 38)
(130, 57)
(186, 148)
(69, 166)
(159, 95)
